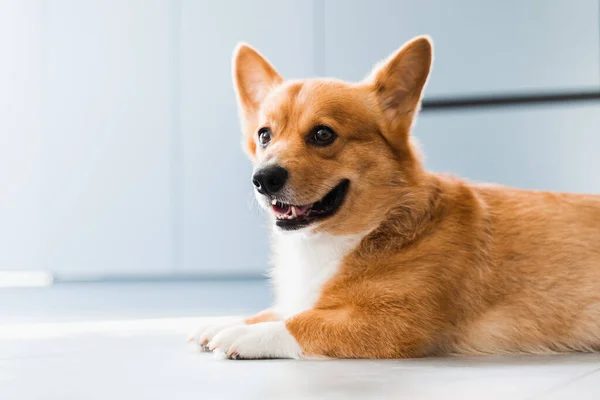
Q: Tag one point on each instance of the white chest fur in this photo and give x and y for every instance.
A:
(302, 264)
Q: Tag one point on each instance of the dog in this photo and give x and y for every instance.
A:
(374, 257)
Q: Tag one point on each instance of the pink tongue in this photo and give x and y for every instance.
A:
(301, 210)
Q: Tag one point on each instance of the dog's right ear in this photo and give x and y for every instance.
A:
(253, 78)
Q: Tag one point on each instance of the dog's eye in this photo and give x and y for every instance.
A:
(264, 136)
(322, 136)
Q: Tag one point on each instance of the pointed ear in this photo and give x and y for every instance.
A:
(398, 83)
(253, 78)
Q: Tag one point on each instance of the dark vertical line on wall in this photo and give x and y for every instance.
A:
(176, 139)
(319, 37)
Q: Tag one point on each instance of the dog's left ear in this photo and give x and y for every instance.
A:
(253, 78)
(398, 85)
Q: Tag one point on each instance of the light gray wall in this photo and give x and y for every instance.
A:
(119, 141)
(106, 132)
(555, 147)
(19, 135)
(481, 47)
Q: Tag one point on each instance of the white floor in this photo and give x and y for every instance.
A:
(128, 341)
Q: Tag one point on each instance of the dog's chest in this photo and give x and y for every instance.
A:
(303, 264)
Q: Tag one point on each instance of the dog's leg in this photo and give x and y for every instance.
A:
(319, 333)
(345, 333)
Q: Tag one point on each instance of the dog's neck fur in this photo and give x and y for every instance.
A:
(415, 211)
(302, 264)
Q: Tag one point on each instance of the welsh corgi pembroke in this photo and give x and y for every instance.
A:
(374, 257)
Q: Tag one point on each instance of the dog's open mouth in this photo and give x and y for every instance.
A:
(291, 217)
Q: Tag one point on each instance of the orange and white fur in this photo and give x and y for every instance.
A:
(374, 257)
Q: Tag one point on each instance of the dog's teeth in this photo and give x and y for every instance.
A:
(293, 212)
(274, 201)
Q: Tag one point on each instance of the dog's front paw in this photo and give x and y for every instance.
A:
(203, 335)
(262, 340)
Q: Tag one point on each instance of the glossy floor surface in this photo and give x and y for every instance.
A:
(128, 341)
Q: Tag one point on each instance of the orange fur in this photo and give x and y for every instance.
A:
(263, 316)
(447, 267)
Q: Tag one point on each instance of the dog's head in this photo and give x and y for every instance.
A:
(327, 154)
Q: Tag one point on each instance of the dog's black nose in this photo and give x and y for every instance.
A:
(270, 180)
